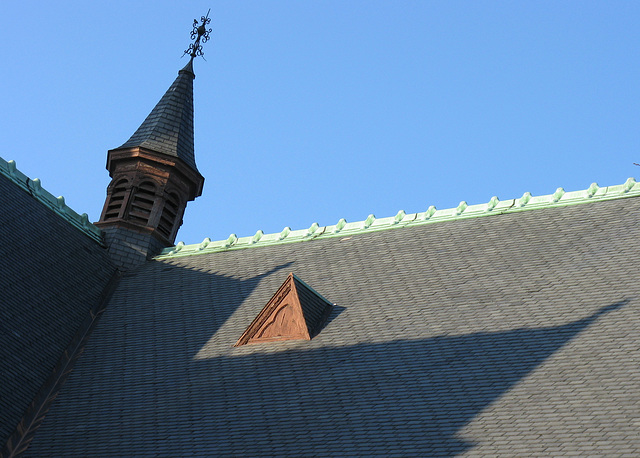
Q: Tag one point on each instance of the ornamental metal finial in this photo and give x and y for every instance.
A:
(200, 33)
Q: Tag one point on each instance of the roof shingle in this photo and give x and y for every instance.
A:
(512, 335)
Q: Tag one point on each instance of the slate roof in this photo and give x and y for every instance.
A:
(169, 127)
(510, 335)
(54, 273)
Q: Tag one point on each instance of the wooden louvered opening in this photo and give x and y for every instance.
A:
(142, 203)
(116, 201)
(169, 215)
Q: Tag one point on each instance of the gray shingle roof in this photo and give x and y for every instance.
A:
(52, 275)
(169, 127)
(315, 308)
(512, 335)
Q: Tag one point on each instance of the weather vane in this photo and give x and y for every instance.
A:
(200, 33)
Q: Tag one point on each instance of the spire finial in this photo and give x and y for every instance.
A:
(200, 34)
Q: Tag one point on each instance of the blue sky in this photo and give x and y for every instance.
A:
(315, 111)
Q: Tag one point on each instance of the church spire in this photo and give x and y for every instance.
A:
(154, 173)
(169, 127)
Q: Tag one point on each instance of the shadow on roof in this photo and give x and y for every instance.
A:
(410, 397)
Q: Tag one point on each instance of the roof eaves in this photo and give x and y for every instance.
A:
(560, 198)
(57, 204)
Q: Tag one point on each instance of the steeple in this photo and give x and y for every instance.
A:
(154, 173)
(169, 127)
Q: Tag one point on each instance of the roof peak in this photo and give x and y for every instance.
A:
(200, 34)
(168, 129)
(560, 198)
(188, 69)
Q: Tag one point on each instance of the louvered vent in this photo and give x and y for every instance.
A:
(142, 203)
(117, 199)
(169, 213)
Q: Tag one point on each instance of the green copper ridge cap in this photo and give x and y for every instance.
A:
(560, 198)
(57, 204)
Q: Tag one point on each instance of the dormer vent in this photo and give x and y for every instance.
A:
(295, 312)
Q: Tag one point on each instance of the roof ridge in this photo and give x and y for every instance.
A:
(57, 204)
(560, 198)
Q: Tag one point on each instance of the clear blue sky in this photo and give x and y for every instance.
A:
(316, 111)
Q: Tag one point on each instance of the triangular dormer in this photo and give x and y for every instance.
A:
(295, 312)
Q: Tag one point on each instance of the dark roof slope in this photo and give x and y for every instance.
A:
(511, 335)
(169, 127)
(52, 275)
(315, 308)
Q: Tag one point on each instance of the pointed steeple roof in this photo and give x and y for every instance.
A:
(169, 127)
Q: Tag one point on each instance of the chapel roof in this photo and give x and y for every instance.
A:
(509, 335)
(440, 332)
(54, 275)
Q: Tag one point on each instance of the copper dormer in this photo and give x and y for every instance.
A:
(295, 312)
(154, 173)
